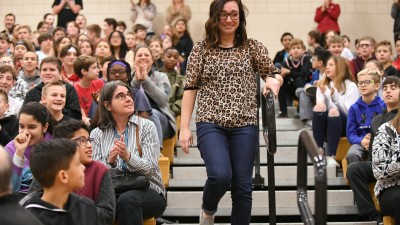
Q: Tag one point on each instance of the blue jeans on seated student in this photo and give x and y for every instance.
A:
(329, 128)
(229, 155)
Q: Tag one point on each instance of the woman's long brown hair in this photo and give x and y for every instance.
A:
(211, 26)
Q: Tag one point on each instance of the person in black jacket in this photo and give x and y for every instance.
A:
(281, 56)
(359, 174)
(57, 204)
(10, 211)
(50, 70)
(184, 44)
(8, 122)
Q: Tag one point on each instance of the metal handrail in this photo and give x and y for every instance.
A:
(269, 133)
(308, 146)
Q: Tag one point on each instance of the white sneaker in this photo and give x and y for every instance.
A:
(205, 221)
(331, 161)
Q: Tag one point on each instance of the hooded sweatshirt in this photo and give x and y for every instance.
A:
(78, 210)
(24, 84)
(359, 118)
(22, 175)
(9, 129)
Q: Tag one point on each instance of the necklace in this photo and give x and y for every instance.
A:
(295, 65)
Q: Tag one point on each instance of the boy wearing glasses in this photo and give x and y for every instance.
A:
(85, 67)
(98, 185)
(361, 114)
(366, 46)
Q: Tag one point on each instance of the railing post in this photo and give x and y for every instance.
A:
(269, 133)
(306, 145)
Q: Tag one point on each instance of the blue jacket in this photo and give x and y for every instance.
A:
(359, 118)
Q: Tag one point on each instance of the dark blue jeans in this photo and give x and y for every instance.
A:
(228, 154)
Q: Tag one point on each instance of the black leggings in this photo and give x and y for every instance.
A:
(389, 201)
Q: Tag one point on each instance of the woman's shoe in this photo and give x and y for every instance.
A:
(205, 221)
(331, 161)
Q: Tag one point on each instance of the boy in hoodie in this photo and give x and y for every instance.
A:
(28, 77)
(361, 113)
(8, 122)
(57, 204)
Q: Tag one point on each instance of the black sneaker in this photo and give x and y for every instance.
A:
(283, 115)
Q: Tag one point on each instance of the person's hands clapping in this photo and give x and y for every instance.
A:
(121, 150)
(141, 72)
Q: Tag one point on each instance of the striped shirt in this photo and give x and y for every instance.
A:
(147, 165)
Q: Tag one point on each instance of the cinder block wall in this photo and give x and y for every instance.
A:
(267, 19)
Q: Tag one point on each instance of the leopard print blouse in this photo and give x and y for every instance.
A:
(226, 82)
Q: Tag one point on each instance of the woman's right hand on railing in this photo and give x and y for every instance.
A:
(185, 139)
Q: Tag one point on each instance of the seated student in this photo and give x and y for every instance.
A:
(296, 71)
(385, 161)
(157, 88)
(57, 204)
(5, 44)
(396, 62)
(34, 127)
(68, 56)
(376, 65)
(50, 69)
(366, 46)
(46, 46)
(359, 174)
(281, 56)
(10, 211)
(8, 122)
(115, 144)
(314, 39)
(28, 77)
(141, 33)
(360, 114)
(85, 67)
(384, 54)
(98, 185)
(170, 59)
(7, 81)
(305, 95)
(103, 67)
(53, 97)
(335, 94)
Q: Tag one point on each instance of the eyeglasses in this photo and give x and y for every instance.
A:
(120, 72)
(6, 62)
(224, 15)
(123, 96)
(364, 45)
(83, 141)
(365, 83)
(115, 37)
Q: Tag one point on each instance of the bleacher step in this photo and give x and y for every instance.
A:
(328, 223)
(284, 176)
(283, 155)
(187, 203)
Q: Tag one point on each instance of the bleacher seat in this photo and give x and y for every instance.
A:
(163, 163)
(169, 148)
(388, 220)
(342, 149)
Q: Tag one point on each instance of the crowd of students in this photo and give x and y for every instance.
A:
(85, 98)
(344, 94)
(70, 88)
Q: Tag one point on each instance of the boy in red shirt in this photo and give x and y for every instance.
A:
(85, 67)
